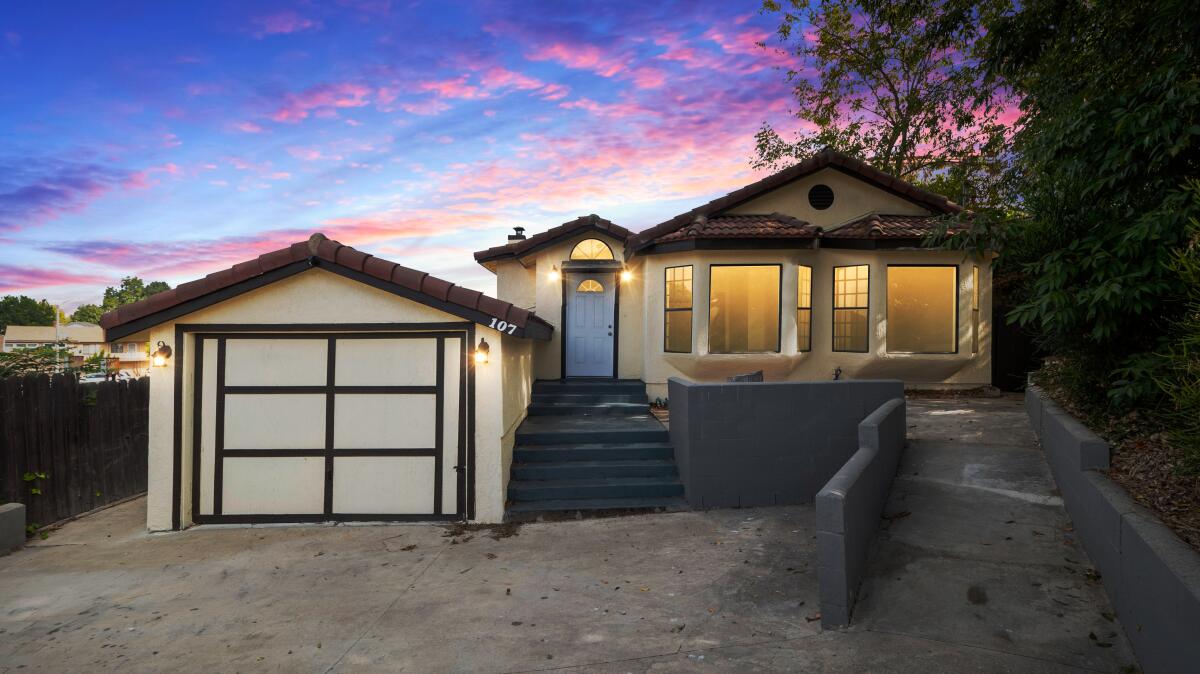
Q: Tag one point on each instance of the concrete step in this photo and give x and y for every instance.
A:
(611, 386)
(590, 398)
(632, 451)
(574, 470)
(530, 509)
(571, 430)
(588, 409)
(617, 487)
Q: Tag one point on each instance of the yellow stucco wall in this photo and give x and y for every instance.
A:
(318, 297)
(852, 198)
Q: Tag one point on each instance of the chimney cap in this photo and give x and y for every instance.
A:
(518, 235)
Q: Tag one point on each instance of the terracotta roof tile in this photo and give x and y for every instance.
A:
(824, 158)
(773, 226)
(888, 227)
(540, 240)
(329, 252)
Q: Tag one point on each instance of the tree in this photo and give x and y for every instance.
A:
(87, 313)
(47, 359)
(1108, 136)
(22, 310)
(132, 289)
(897, 84)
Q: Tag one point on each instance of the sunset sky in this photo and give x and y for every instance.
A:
(168, 140)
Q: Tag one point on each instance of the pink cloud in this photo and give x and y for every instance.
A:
(248, 127)
(322, 97)
(453, 88)
(426, 108)
(580, 57)
(304, 153)
(282, 23)
(14, 278)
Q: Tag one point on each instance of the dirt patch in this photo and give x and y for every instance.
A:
(461, 533)
(942, 394)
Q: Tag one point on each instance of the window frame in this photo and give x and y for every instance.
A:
(691, 308)
(778, 307)
(571, 253)
(974, 309)
(808, 347)
(835, 308)
(957, 281)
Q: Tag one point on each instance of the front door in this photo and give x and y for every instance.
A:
(591, 303)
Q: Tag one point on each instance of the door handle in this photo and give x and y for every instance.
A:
(610, 334)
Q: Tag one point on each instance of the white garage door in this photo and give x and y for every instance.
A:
(330, 426)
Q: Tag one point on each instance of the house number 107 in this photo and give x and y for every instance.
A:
(503, 326)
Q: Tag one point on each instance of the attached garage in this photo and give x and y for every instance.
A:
(318, 383)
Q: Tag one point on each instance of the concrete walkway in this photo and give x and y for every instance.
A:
(980, 576)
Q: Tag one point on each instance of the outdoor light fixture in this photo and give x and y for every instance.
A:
(162, 354)
(481, 352)
(554, 276)
(626, 275)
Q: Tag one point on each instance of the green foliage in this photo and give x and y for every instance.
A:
(894, 83)
(1109, 132)
(132, 289)
(87, 313)
(34, 479)
(46, 359)
(22, 310)
(1180, 371)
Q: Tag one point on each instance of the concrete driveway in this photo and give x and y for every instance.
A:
(726, 590)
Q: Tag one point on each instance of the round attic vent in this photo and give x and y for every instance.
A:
(820, 197)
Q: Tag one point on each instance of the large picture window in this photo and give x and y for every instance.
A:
(677, 312)
(851, 306)
(743, 308)
(922, 309)
(804, 308)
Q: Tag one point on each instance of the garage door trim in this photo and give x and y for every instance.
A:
(465, 331)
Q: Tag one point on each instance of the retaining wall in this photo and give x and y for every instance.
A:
(849, 508)
(744, 444)
(1152, 577)
(12, 526)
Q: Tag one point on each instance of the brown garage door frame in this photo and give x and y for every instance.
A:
(465, 331)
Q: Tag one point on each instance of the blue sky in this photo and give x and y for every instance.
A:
(169, 140)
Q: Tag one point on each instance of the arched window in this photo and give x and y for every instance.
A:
(590, 286)
(591, 249)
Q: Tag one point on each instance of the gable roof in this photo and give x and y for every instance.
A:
(523, 247)
(743, 226)
(826, 158)
(319, 251)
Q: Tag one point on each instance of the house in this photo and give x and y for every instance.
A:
(85, 340)
(319, 383)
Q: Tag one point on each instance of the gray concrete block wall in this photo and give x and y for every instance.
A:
(767, 443)
(1152, 577)
(12, 526)
(849, 508)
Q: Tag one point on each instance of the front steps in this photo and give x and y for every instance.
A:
(591, 445)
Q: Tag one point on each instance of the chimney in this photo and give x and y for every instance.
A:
(518, 235)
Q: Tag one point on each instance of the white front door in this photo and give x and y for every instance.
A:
(591, 301)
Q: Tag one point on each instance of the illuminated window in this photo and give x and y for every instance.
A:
(851, 302)
(589, 286)
(591, 249)
(922, 309)
(804, 308)
(677, 318)
(974, 309)
(743, 309)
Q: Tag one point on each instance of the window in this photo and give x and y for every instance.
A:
(922, 309)
(677, 319)
(743, 309)
(589, 286)
(591, 249)
(975, 309)
(804, 308)
(851, 301)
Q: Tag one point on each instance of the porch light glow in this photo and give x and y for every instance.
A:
(481, 352)
(554, 275)
(161, 355)
(626, 275)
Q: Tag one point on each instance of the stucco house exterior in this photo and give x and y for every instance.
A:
(320, 383)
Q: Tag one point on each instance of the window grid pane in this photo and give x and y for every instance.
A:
(679, 287)
(743, 311)
(974, 309)
(803, 308)
(851, 301)
(804, 329)
(678, 331)
(849, 329)
(591, 249)
(677, 314)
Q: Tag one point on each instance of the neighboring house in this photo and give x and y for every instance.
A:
(84, 340)
(319, 383)
(816, 270)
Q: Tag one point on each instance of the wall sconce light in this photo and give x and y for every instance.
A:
(626, 275)
(554, 275)
(161, 355)
(481, 352)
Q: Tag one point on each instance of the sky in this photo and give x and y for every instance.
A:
(170, 140)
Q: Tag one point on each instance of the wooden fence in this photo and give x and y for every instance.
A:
(67, 448)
